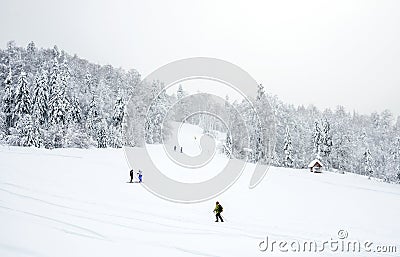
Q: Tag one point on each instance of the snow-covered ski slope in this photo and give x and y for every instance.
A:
(74, 202)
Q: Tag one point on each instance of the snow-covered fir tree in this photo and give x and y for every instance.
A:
(58, 108)
(368, 163)
(396, 158)
(75, 111)
(23, 103)
(256, 139)
(28, 131)
(115, 137)
(260, 92)
(317, 140)
(54, 79)
(326, 141)
(8, 103)
(155, 116)
(58, 102)
(76, 137)
(88, 82)
(228, 145)
(40, 98)
(101, 136)
(288, 149)
(64, 76)
(93, 118)
(181, 106)
(118, 114)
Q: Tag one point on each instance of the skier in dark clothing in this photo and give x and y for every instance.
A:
(175, 148)
(131, 174)
(217, 210)
(181, 149)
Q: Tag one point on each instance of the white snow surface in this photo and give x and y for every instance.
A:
(76, 202)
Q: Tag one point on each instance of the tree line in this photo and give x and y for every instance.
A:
(52, 99)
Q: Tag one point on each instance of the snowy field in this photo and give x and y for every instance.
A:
(74, 202)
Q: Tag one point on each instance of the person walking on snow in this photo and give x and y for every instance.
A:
(131, 174)
(217, 210)
(140, 176)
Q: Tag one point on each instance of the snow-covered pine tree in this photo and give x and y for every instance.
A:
(228, 145)
(288, 149)
(40, 98)
(101, 135)
(54, 78)
(396, 158)
(57, 137)
(131, 132)
(260, 92)
(8, 103)
(155, 117)
(368, 163)
(238, 133)
(118, 114)
(31, 48)
(31, 60)
(180, 94)
(115, 129)
(326, 141)
(55, 52)
(92, 119)
(59, 107)
(256, 139)
(28, 131)
(317, 140)
(181, 108)
(14, 60)
(342, 149)
(266, 125)
(64, 75)
(227, 111)
(75, 112)
(23, 103)
(77, 137)
(115, 139)
(59, 104)
(88, 83)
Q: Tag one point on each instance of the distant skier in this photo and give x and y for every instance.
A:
(175, 148)
(218, 209)
(181, 149)
(140, 176)
(131, 174)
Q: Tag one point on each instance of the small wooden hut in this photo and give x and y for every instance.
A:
(315, 165)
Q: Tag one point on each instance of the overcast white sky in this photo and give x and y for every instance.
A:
(326, 53)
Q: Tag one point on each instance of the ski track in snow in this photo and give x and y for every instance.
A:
(18, 251)
(41, 154)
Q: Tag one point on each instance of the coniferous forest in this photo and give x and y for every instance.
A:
(52, 99)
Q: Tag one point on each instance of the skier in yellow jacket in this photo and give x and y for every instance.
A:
(217, 210)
